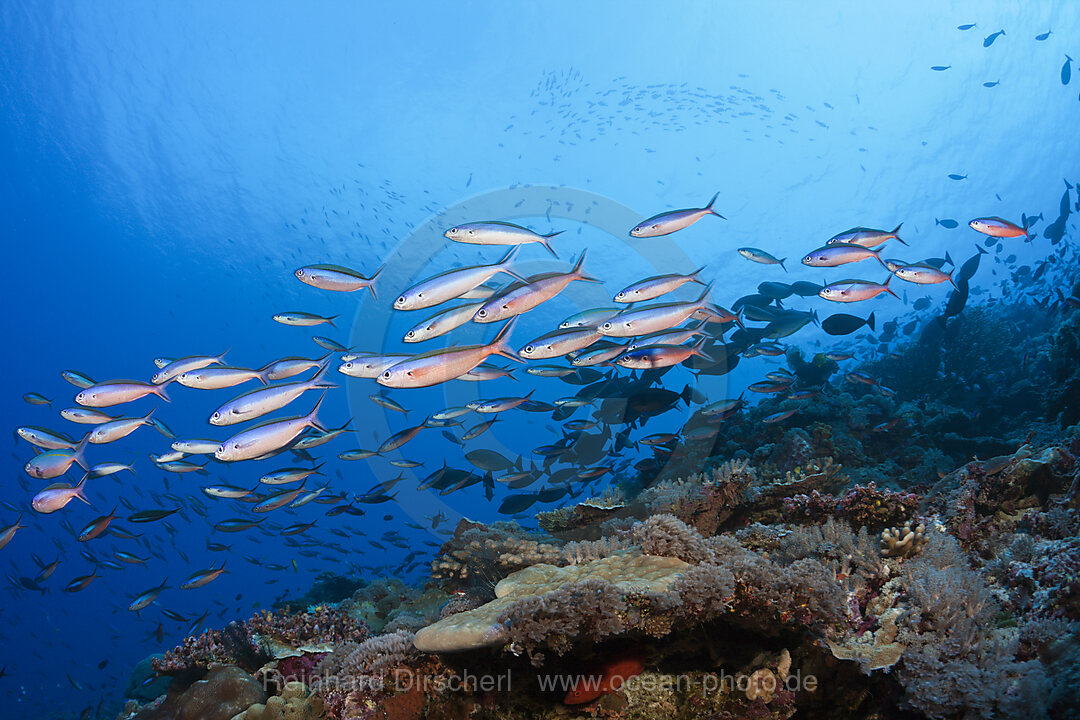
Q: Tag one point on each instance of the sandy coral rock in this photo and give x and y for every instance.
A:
(480, 627)
(225, 691)
(874, 651)
(762, 684)
(293, 704)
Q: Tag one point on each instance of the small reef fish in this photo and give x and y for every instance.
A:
(453, 283)
(55, 463)
(187, 364)
(654, 287)
(998, 227)
(673, 221)
(855, 290)
(438, 366)
(264, 439)
(838, 254)
(297, 318)
(760, 256)
(56, 497)
(116, 392)
(495, 232)
(867, 237)
(337, 278)
(537, 290)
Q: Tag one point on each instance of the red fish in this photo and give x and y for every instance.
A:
(609, 680)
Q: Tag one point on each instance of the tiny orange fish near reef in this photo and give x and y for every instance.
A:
(610, 679)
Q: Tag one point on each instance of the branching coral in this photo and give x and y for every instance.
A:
(903, 542)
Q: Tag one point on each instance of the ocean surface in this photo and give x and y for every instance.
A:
(168, 166)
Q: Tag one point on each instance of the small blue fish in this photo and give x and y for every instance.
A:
(1066, 71)
(940, 68)
(965, 27)
(947, 223)
(992, 37)
(954, 176)
(1042, 36)
(991, 84)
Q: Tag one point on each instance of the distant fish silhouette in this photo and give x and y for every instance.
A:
(947, 223)
(1066, 71)
(992, 37)
(954, 176)
(1043, 36)
(939, 68)
(991, 84)
(965, 27)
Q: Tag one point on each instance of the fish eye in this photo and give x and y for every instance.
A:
(482, 312)
(401, 300)
(410, 334)
(621, 294)
(215, 416)
(300, 272)
(528, 349)
(386, 374)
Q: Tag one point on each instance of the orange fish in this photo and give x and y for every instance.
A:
(998, 227)
(610, 680)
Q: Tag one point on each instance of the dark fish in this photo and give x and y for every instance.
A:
(957, 299)
(775, 290)
(488, 460)
(1066, 71)
(947, 223)
(145, 516)
(236, 525)
(970, 266)
(1043, 36)
(989, 40)
(965, 27)
(922, 303)
(940, 68)
(514, 504)
(80, 582)
(994, 83)
(843, 324)
(803, 288)
(954, 176)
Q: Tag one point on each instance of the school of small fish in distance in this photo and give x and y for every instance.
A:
(636, 340)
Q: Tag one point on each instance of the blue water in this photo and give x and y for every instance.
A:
(166, 167)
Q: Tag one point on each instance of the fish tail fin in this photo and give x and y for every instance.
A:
(159, 390)
(981, 250)
(870, 322)
(221, 358)
(79, 450)
(782, 261)
(312, 417)
(330, 321)
(895, 233)
(501, 344)
(709, 207)
(509, 256)
(697, 349)
(547, 245)
(579, 273)
(80, 490)
(694, 275)
(950, 276)
(371, 282)
(705, 295)
(261, 376)
(319, 382)
(948, 259)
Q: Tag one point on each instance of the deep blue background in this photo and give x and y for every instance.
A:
(165, 167)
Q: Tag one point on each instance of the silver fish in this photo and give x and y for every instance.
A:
(290, 367)
(855, 290)
(337, 278)
(268, 437)
(56, 497)
(186, 364)
(495, 232)
(116, 392)
(523, 298)
(296, 318)
(669, 222)
(560, 342)
(867, 237)
(453, 283)
(438, 366)
(835, 254)
(371, 366)
(86, 416)
(45, 438)
(760, 256)
(55, 463)
(442, 322)
(215, 378)
(653, 318)
(654, 287)
(257, 403)
(117, 429)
